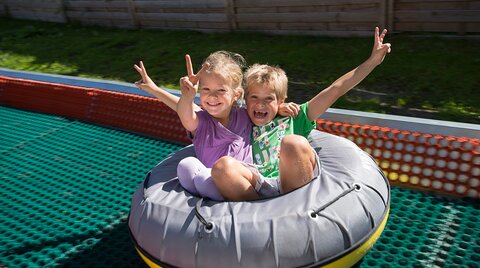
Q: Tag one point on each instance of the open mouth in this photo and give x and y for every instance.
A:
(260, 115)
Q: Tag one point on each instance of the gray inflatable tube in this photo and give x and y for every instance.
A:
(332, 221)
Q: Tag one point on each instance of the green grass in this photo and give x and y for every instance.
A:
(424, 76)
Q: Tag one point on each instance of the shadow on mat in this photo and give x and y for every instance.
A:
(115, 249)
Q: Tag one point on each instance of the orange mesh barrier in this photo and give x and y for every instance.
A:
(444, 164)
(64, 100)
(424, 161)
(139, 114)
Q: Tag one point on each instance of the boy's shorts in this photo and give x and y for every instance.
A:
(271, 187)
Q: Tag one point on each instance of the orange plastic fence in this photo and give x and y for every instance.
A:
(444, 164)
(135, 113)
(430, 162)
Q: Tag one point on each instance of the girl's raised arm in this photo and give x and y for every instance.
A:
(189, 87)
(147, 84)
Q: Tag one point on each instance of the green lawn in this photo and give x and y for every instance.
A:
(425, 76)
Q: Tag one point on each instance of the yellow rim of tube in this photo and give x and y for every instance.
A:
(353, 257)
(345, 261)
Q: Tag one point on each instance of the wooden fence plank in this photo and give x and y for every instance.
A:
(191, 17)
(428, 27)
(423, 1)
(460, 5)
(473, 27)
(213, 25)
(277, 3)
(37, 15)
(181, 4)
(318, 26)
(26, 4)
(256, 10)
(438, 16)
(320, 33)
(95, 4)
(257, 26)
(309, 17)
(372, 6)
(182, 10)
(297, 9)
(352, 27)
(98, 15)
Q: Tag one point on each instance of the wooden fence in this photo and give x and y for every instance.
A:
(320, 17)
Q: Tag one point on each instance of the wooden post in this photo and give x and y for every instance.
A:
(462, 26)
(133, 14)
(382, 20)
(230, 14)
(62, 8)
(5, 7)
(390, 15)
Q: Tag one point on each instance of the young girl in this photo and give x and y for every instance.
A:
(221, 129)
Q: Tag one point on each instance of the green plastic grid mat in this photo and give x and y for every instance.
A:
(65, 189)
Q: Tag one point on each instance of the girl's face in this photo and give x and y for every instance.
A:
(217, 97)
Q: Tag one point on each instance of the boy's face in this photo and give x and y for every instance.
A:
(262, 104)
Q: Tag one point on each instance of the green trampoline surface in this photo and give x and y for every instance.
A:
(66, 186)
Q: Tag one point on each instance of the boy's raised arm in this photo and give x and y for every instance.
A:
(147, 84)
(323, 100)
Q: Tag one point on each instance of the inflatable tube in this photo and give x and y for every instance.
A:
(332, 221)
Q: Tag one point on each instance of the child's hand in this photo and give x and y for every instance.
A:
(379, 48)
(189, 83)
(188, 89)
(288, 109)
(145, 83)
(194, 78)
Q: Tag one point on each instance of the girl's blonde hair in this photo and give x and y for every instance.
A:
(229, 66)
(272, 77)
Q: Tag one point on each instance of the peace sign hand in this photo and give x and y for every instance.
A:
(146, 83)
(189, 83)
(379, 48)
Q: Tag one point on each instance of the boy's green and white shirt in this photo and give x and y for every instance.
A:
(266, 139)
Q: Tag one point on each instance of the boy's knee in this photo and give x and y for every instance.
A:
(294, 145)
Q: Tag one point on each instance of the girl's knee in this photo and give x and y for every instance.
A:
(189, 167)
(206, 186)
(189, 160)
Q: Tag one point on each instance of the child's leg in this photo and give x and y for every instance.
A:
(297, 162)
(233, 180)
(205, 186)
(187, 169)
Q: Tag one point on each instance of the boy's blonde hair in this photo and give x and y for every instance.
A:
(229, 66)
(268, 76)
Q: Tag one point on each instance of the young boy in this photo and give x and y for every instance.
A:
(283, 158)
